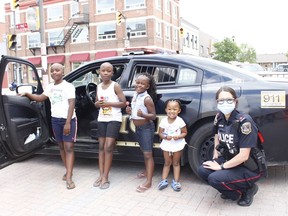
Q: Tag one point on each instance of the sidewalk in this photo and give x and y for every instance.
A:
(34, 187)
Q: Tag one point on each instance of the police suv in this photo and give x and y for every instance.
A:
(26, 129)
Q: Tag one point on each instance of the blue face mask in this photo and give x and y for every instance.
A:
(226, 108)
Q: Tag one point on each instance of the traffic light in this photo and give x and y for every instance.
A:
(15, 4)
(118, 17)
(181, 32)
(12, 41)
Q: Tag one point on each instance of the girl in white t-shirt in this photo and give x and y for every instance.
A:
(172, 131)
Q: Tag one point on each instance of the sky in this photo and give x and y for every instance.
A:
(261, 24)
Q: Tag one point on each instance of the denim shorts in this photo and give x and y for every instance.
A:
(145, 135)
(58, 127)
(109, 129)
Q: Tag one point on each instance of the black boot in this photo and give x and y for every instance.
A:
(247, 197)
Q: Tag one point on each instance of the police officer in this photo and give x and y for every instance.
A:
(232, 171)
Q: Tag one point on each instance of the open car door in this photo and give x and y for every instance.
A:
(23, 123)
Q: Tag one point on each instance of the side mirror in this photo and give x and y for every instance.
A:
(25, 89)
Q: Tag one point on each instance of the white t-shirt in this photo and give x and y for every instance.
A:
(173, 129)
(58, 96)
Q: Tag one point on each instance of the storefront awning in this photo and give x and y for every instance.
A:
(80, 57)
(35, 61)
(105, 54)
(56, 59)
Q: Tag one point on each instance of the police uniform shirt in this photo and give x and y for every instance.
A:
(239, 130)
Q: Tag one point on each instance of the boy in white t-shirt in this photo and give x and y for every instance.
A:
(64, 123)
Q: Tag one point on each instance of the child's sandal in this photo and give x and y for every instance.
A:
(176, 186)
(163, 184)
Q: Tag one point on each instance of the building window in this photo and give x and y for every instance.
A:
(18, 40)
(55, 13)
(106, 32)
(106, 6)
(17, 19)
(158, 4)
(138, 28)
(187, 39)
(81, 34)
(176, 35)
(55, 37)
(75, 65)
(175, 11)
(192, 41)
(34, 40)
(133, 4)
(167, 7)
(168, 33)
(202, 49)
(158, 29)
(74, 9)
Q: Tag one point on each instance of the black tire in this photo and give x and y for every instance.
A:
(201, 146)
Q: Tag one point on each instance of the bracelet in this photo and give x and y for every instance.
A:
(222, 166)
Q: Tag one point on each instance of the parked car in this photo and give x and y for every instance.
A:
(282, 68)
(26, 129)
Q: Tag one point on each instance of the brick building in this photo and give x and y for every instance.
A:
(79, 31)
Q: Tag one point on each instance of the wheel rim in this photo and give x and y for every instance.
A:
(206, 150)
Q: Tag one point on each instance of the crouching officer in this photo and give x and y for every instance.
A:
(237, 162)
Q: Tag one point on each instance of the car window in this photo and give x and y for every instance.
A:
(18, 74)
(92, 76)
(187, 76)
(163, 75)
(89, 77)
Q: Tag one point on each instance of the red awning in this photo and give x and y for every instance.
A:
(56, 59)
(80, 57)
(105, 54)
(35, 61)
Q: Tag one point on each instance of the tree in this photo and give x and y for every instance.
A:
(246, 54)
(226, 50)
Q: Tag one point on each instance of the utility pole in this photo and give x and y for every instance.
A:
(43, 44)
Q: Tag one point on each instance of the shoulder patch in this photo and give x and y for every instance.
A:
(246, 128)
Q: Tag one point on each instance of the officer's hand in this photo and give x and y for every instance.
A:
(213, 165)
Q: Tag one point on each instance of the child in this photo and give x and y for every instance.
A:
(143, 113)
(62, 97)
(172, 131)
(110, 99)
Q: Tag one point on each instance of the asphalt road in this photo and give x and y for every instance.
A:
(34, 187)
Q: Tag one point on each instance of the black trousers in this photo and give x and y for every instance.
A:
(230, 182)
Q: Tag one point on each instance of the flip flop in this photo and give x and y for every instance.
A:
(97, 183)
(70, 185)
(142, 189)
(141, 175)
(64, 178)
(105, 185)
